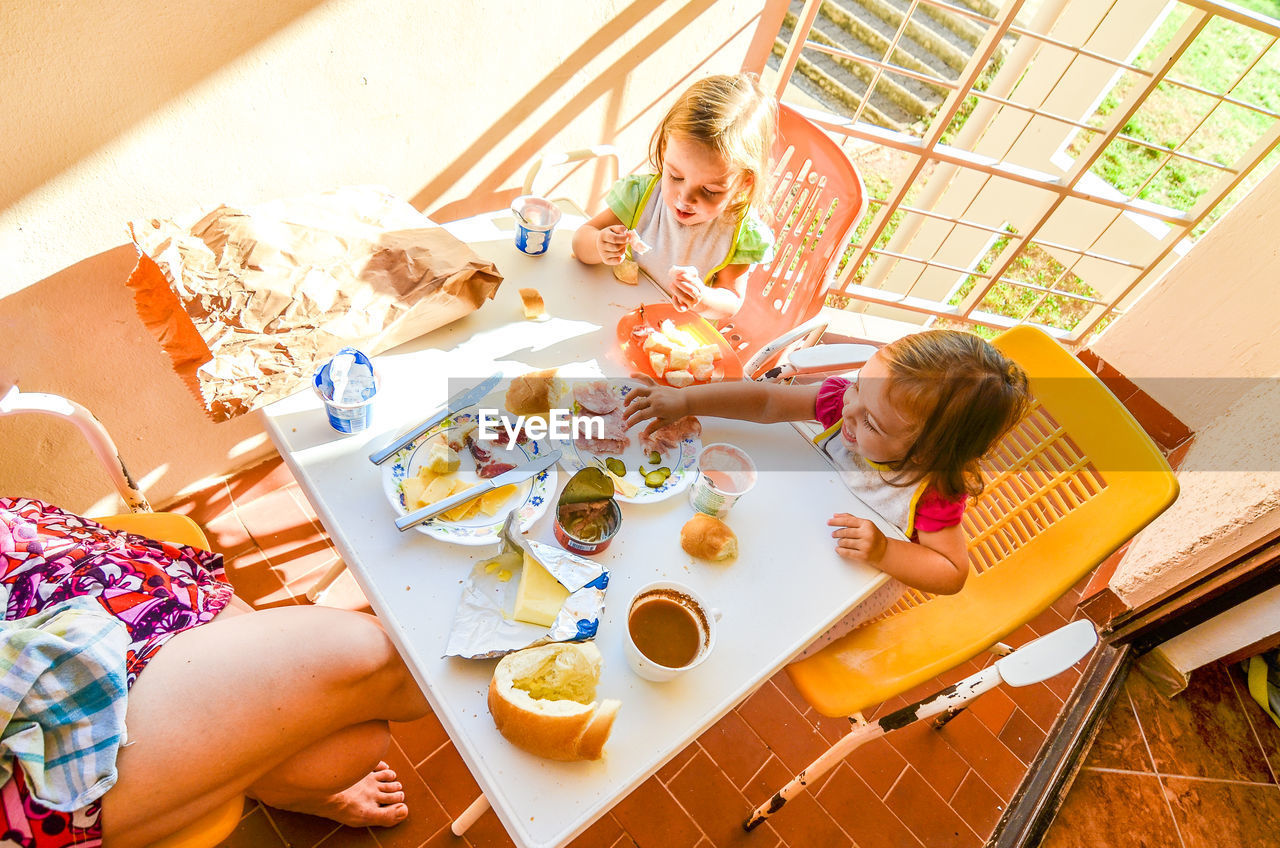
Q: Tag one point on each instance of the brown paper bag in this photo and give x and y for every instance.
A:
(248, 304)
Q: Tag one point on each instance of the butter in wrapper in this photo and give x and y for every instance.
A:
(483, 627)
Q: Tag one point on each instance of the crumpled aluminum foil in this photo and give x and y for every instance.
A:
(483, 626)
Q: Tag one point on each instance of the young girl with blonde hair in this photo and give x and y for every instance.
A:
(906, 435)
(696, 213)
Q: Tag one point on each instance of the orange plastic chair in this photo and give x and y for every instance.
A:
(216, 825)
(1073, 481)
(815, 200)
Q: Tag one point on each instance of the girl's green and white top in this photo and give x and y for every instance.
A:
(709, 246)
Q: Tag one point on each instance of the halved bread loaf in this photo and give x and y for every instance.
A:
(543, 700)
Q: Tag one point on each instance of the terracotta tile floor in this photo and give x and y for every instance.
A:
(1195, 771)
(918, 787)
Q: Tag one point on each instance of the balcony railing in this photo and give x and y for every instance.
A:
(997, 216)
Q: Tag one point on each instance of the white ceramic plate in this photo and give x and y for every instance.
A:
(530, 500)
(683, 462)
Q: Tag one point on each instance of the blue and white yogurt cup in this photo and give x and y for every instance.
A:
(347, 384)
(536, 218)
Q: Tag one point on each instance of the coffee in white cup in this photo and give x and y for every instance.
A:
(669, 631)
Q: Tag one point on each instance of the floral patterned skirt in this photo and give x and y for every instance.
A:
(155, 588)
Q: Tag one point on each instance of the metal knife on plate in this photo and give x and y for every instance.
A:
(455, 404)
(515, 475)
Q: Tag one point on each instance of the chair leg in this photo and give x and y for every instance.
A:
(954, 697)
(946, 716)
(860, 735)
(316, 593)
(469, 815)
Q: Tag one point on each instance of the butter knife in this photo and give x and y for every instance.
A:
(455, 404)
(515, 475)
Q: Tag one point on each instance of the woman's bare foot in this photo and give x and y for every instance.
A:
(376, 800)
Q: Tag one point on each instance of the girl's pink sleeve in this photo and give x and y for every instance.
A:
(934, 512)
(830, 404)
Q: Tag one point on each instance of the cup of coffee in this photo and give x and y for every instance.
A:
(725, 473)
(669, 630)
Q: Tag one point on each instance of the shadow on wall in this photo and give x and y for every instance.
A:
(490, 193)
(76, 334)
(128, 60)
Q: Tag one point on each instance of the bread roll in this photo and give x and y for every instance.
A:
(707, 537)
(627, 271)
(543, 700)
(530, 394)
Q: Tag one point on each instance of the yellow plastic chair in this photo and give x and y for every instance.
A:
(1073, 481)
(216, 825)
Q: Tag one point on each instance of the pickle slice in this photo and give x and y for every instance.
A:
(616, 466)
(654, 457)
(664, 471)
(655, 479)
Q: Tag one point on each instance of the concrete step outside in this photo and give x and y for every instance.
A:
(835, 94)
(921, 40)
(837, 28)
(889, 87)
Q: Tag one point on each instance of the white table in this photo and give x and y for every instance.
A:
(787, 587)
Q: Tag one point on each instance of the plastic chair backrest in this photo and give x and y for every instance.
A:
(219, 822)
(815, 200)
(1070, 484)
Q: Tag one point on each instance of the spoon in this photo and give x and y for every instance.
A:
(338, 374)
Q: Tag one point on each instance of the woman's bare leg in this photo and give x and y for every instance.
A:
(342, 777)
(223, 705)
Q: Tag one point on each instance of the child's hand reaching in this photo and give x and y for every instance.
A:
(612, 243)
(686, 286)
(857, 538)
(649, 400)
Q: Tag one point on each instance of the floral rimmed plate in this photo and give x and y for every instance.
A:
(530, 500)
(683, 461)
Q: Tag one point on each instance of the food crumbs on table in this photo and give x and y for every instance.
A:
(534, 307)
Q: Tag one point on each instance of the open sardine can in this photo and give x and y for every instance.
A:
(611, 520)
(587, 517)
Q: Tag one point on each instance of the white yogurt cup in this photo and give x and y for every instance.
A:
(725, 473)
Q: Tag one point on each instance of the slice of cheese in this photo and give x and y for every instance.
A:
(442, 459)
(464, 510)
(490, 502)
(539, 595)
(438, 488)
(413, 487)
(622, 486)
(678, 336)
